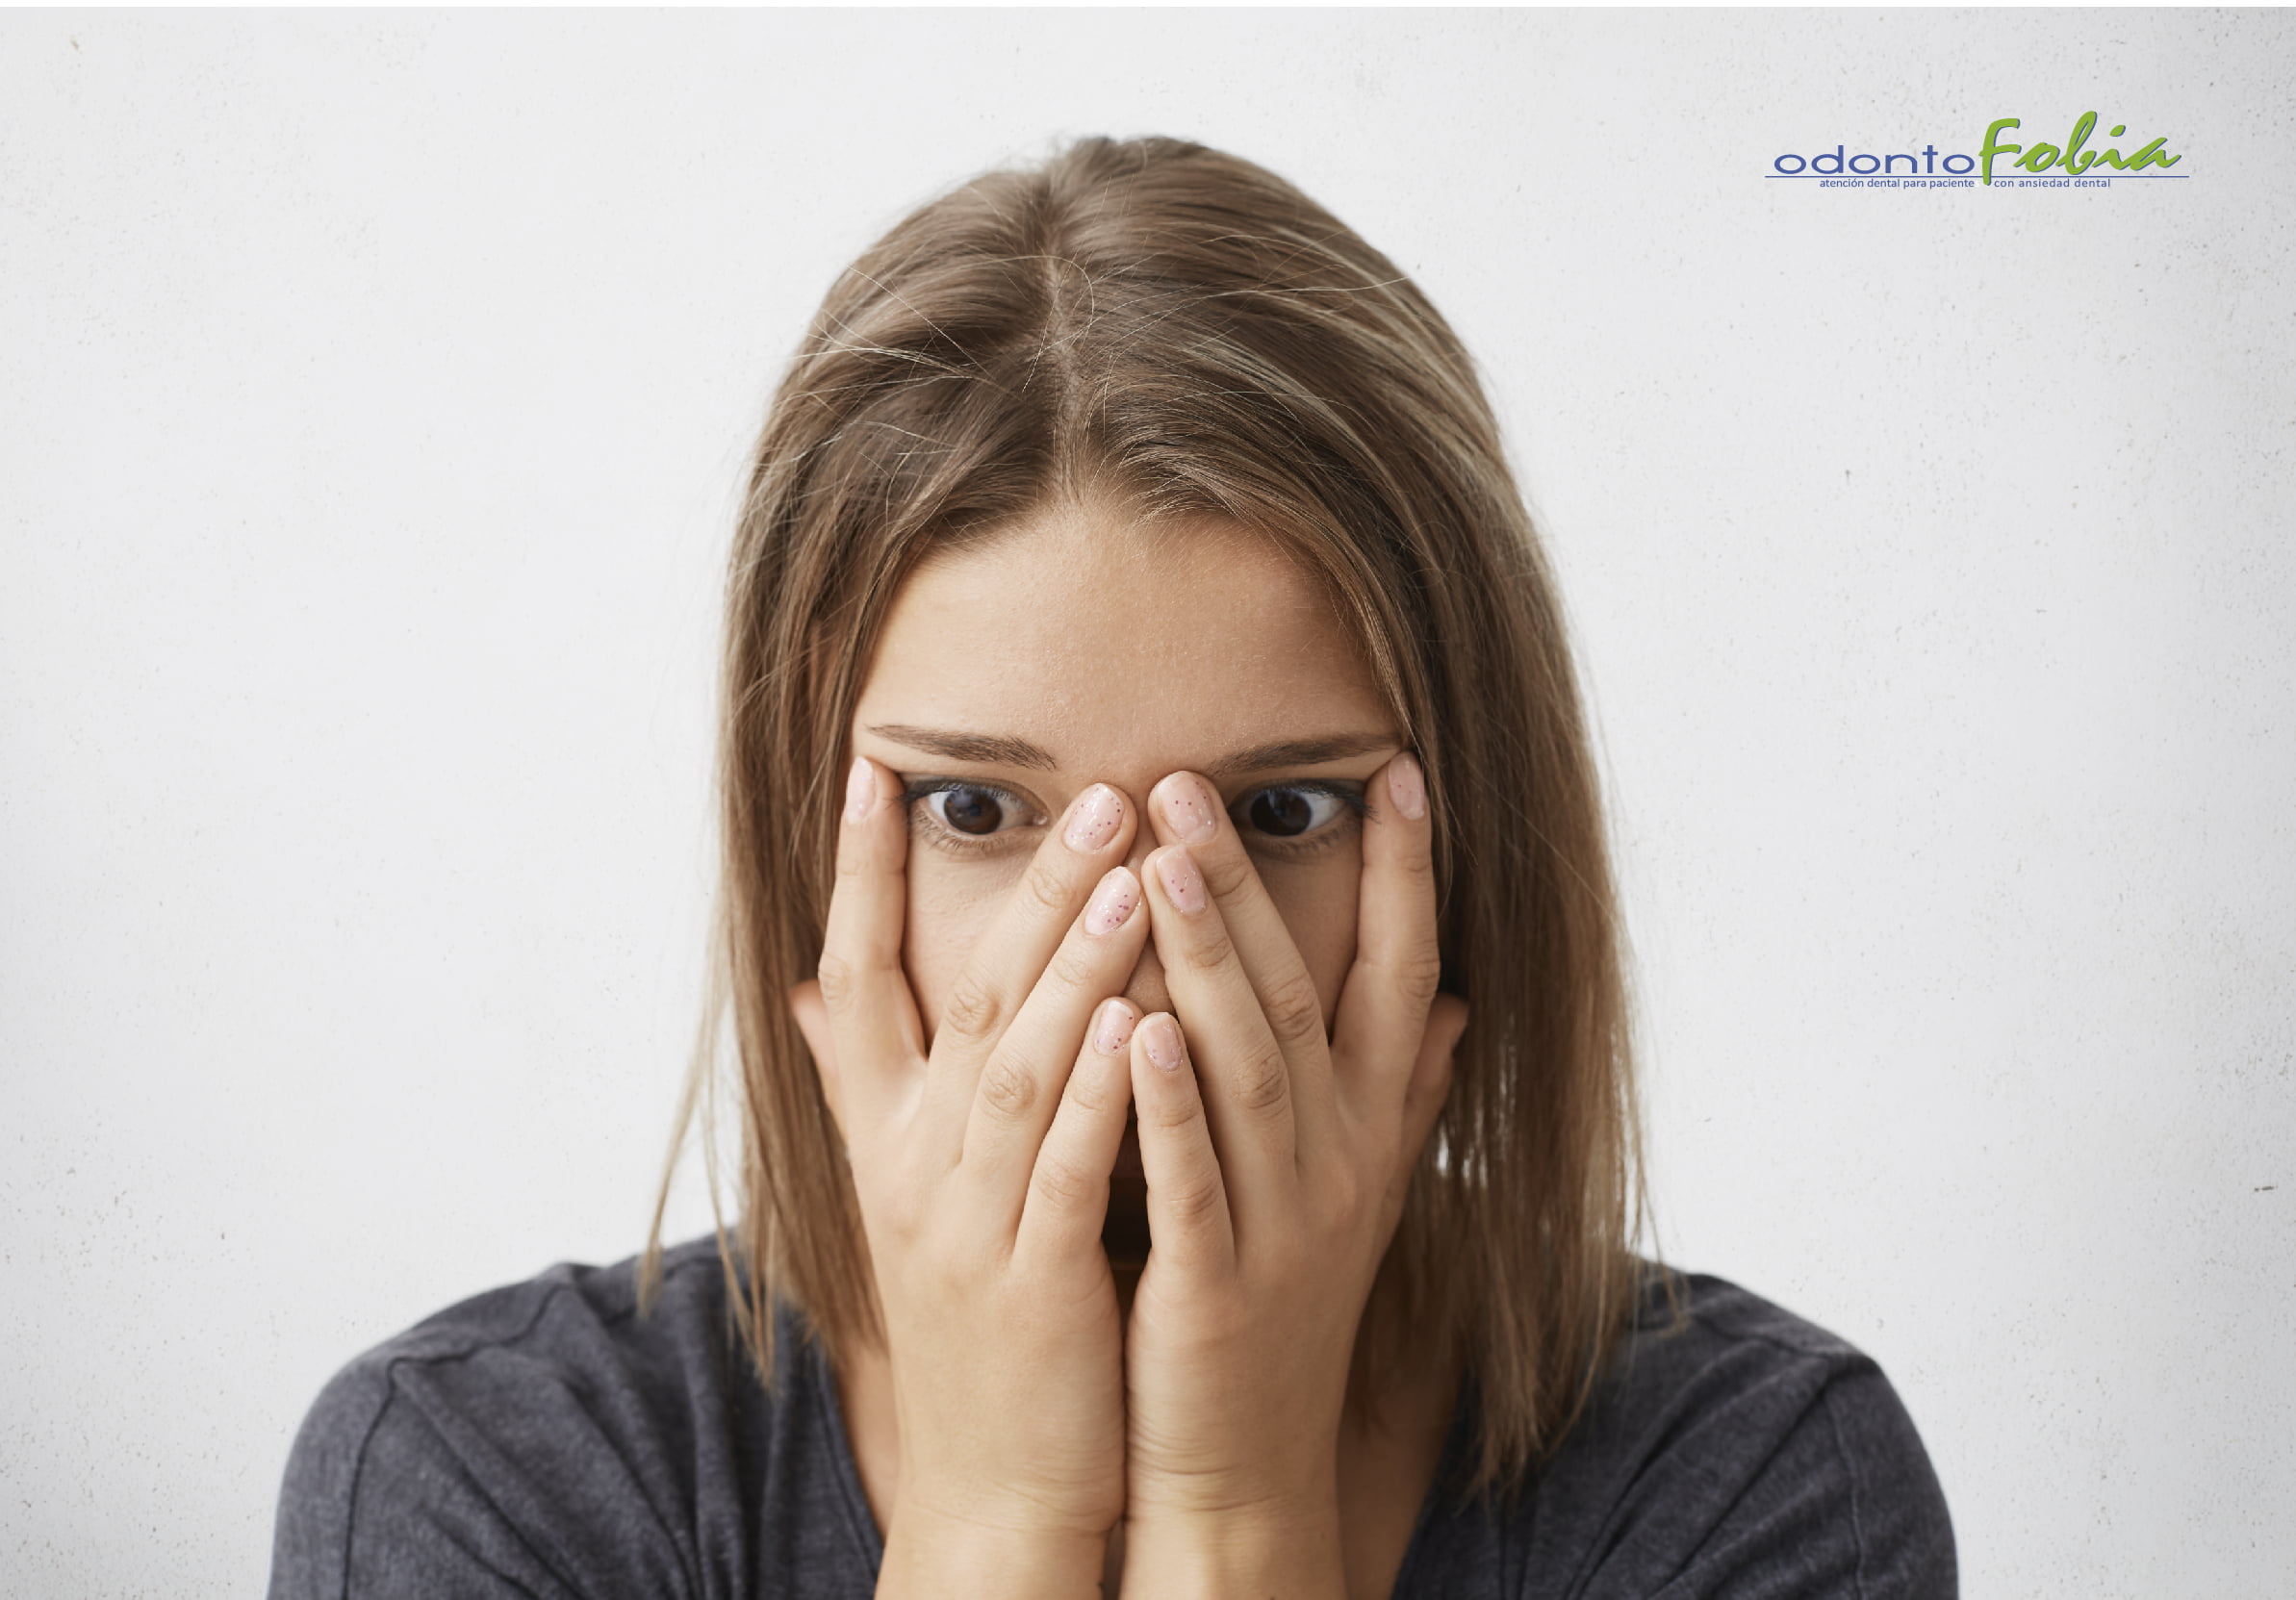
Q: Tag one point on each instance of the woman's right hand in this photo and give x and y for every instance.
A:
(984, 1183)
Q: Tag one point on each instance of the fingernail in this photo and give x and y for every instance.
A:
(1161, 1035)
(1184, 885)
(1187, 808)
(1408, 787)
(1094, 820)
(1112, 902)
(860, 790)
(1112, 1030)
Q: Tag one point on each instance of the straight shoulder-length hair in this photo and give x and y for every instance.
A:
(1177, 332)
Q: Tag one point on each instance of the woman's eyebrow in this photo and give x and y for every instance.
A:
(989, 749)
(1300, 752)
(996, 750)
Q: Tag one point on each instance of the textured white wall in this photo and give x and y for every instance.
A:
(374, 394)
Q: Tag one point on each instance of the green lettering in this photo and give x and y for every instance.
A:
(1992, 149)
(2039, 158)
(2151, 156)
(2081, 133)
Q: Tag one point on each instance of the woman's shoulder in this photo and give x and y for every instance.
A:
(568, 1334)
(547, 1437)
(1734, 1446)
(1697, 1341)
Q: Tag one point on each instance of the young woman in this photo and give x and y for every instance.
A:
(1184, 1082)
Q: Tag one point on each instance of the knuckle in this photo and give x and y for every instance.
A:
(1417, 977)
(1196, 1199)
(1047, 890)
(1062, 1183)
(1224, 871)
(1215, 951)
(1261, 1082)
(1173, 1117)
(1070, 968)
(1006, 1089)
(972, 1009)
(838, 980)
(1295, 1010)
(1091, 1092)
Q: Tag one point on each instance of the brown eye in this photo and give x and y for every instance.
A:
(1281, 813)
(1288, 811)
(967, 809)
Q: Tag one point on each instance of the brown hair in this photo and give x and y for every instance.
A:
(1164, 327)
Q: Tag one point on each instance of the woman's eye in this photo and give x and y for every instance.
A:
(1288, 813)
(973, 810)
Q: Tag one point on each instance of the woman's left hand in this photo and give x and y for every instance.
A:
(1276, 1164)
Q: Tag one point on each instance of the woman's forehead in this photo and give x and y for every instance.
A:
(1086, 639)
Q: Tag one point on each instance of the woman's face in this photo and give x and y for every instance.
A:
(1078, 648)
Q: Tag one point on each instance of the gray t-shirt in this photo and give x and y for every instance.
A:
(544, 1439)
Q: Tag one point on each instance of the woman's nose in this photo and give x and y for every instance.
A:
(1146, 987)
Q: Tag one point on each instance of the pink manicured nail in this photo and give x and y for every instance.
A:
(860, 790)
(1409, 788)
(1098, 811)
(1112, 902)
(1184, 885)
(1187, 809)
(1161, 1035)
(1112, 1030)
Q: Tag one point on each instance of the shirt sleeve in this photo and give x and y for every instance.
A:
(1846, 1507)
(392, 1491)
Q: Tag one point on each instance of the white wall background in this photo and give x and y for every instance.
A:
(373, 396)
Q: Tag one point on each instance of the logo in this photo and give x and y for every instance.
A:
(2080, 166)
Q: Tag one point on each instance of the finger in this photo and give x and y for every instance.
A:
(1239, 1069)
(1009, 960)
(812, 1016)
(873, 1029)
(1188, 1222)
(1399, 963)
(1068, 1187)
(1423, 1100)
(1020, 1084)
(1185, 810)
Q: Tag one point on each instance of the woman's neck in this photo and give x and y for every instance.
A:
(1390, 1452)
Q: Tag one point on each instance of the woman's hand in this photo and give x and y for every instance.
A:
(982, 1185)
(1277, 1164)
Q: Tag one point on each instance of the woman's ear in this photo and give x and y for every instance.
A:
(812, 1016)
